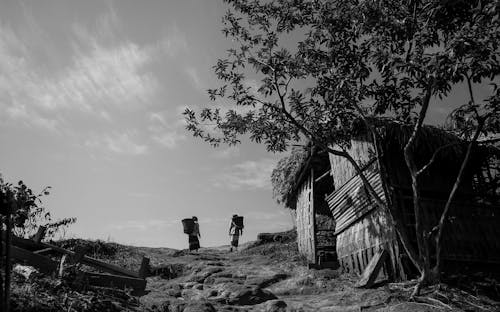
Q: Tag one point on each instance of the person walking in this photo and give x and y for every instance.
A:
(194, 243)
(235, 230)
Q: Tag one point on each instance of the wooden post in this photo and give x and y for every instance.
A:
(8, 264)
(61, 265)
(40, 234)
(1, 258)
(313, 211)
(145, 268)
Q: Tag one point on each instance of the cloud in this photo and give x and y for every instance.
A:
(166, 128)
(118, 143)
(143, 225)
(227, 153)
(246, 175)
(98, 78)
(174, 42)
(195, 78)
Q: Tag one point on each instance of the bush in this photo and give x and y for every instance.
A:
(27, 210)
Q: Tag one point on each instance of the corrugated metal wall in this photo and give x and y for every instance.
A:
(305, 219)
(361, 227)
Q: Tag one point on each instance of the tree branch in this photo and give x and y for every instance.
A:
(434, 155)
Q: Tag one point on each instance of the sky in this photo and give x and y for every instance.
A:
(91, 95)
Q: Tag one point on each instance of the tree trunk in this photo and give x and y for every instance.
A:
(444, 215)
(8, 264)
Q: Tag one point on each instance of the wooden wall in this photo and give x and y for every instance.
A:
(305, 218)
(472, 233)
(342, 171)
(362, 228)
(357, 244)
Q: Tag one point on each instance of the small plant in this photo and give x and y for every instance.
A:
(27, 210)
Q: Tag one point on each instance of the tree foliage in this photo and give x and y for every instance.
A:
(284, 174)
(27, 211)
(355, 60)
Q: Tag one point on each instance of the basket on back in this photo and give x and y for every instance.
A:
(188, 225)
(238, 221)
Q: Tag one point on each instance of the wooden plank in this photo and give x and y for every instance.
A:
(145, 268)
(106, 267)
(42, 250)
(116, 281)
(42, 263)
(372, 270)
(40, 234)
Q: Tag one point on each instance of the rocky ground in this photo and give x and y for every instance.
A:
(262, 276)
(271, 277)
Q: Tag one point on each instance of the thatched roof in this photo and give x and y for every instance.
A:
(393, 136)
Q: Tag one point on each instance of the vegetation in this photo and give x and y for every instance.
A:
(356, 61)
(21, 214)
(284, 174)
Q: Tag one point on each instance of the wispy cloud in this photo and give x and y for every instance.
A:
(143, 225)
(246, 175)
(118, 143)
(195, 77)
(166, 128)
(226, 153)
(99, 77)
(174, 42)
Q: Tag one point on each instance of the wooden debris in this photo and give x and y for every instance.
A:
(42, 250)
(145, 268)
(116, 281)
(42, 263)
(61, 265)
(40, 234)
(372, 270)
(28, 252)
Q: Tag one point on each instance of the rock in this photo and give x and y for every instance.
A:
(263, 282)
(275, 306)
(199, 307)
(202, 275)
(174, 293)
(198, 286)
(191, 294)
(210, 293)
(221, 280)
(25, 271)
(188, 285)
(250, 296)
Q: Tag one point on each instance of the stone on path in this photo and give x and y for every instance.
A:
(250, 296)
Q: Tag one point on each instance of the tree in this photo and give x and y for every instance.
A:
(355, 60)
(22, 213)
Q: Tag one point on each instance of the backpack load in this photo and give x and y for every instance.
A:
(188, 225)
(238, 221)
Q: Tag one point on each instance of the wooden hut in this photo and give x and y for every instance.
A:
(314, 221)
(472, 233)
(359, 229)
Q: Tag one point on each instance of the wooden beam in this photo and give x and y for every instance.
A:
(42, 250)
(40, 234)
(145, 268)
(42, 263)
(322, 176)
(372, 270)
(116, 281)
(106, 267)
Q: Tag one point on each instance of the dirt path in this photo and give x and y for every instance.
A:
(216, 280)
